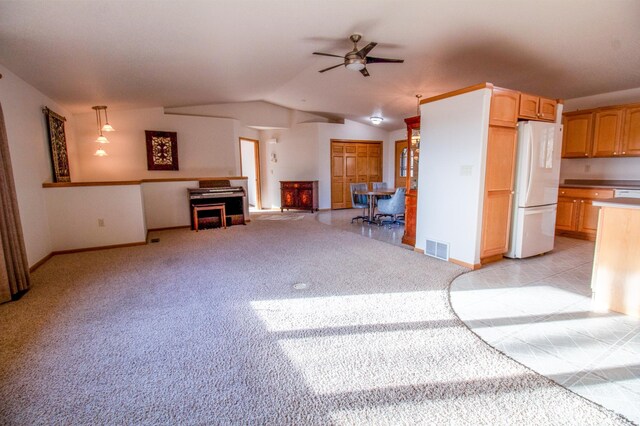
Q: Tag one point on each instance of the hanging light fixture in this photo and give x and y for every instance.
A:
(106, 128)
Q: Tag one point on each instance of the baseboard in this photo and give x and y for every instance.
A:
(167, 228)
(491, 259)
(418, 250)
(471, 266)
(139, 243)
(40, 262)
(54, 253)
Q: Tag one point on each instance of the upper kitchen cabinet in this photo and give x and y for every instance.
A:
(504, 107)
(631, 133)
(607, 135)
(578, 129)
(537, 108)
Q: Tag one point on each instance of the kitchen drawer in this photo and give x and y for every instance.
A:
(594, 193)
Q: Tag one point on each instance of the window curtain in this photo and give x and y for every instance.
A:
(14, 268)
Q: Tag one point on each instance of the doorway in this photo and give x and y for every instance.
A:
(250, 167)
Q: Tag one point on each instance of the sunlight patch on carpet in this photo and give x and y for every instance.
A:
(314, 313)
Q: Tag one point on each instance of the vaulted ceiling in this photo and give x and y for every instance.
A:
(128, 54)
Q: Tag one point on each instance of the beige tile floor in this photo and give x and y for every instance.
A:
(538, 312)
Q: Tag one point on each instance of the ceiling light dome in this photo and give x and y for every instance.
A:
(376, 120)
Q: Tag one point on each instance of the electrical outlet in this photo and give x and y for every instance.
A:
(466, 170)
(100, 223)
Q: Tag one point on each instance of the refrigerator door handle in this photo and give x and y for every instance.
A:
(529, 141)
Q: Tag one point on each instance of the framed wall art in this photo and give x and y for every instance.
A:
(162, 150)
(57, 145)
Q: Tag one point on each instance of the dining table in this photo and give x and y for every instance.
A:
(371, 197)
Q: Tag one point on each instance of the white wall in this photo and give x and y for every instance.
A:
(73, 213)
(449, 198)
(30, 157)
(602, 168)
(206, 146)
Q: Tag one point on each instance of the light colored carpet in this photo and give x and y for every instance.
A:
(206, 328)
(280, 216)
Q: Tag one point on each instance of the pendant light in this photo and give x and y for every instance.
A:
(106, 128)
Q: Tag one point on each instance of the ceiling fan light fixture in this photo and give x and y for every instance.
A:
(354, 65)
(376, 120)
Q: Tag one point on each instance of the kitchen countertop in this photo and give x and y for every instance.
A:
(601, 183)
(625, 203)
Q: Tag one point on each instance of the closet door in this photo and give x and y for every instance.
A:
(352, 162)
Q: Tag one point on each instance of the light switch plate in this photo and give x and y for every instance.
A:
(466, 170)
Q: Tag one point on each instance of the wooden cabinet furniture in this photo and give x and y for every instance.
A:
(411, 194)
(578, 129)
(500, 164)
(537, 108)
(602, 132)
(300, 195)
(607, 133)
(576, 216)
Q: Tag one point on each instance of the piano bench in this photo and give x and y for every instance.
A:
(204, 207)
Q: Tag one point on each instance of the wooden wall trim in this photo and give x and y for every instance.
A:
(355, 141)
(457, 92)
(135, 182)
(138, 243)
(40, 263)
(473, 267)
(596, 109)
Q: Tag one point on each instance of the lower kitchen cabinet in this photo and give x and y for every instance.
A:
(577, 217)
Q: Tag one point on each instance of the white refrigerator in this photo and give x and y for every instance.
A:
(535, 199)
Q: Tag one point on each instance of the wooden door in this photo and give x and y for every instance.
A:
(353, 162)
(631, 137)
(496, 221)
(504, 107)
(547, 109)
(567, 215)
(528, 106)
(607, 133)
(374, 165)
(400, 164)
(588, 218)
(577, 135)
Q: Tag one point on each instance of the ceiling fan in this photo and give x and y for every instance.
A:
(357, 60)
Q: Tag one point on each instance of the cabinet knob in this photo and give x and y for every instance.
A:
(624, 152)
(582, 201)
(575, 201)
(597, 193)
(585, 154)
(615, 153)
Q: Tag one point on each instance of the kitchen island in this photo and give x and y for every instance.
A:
(616, 264)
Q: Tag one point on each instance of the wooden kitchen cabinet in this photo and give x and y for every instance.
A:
(578, 129)
(498, 186)
(607, 134)
(537, 108)
(631, 133)
(576, 216)
(504, 107)
(301, 195)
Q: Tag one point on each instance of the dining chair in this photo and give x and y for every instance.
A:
(393, 207)
(359, 201)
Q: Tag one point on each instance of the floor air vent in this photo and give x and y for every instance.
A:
(437, 249)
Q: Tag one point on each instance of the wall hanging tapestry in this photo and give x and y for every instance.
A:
(162, 150)
(58, 145)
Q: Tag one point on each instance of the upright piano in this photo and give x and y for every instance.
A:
(218, 191)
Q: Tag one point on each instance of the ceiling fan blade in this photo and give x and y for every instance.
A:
(372, 60)
(327, 54)
(364, 72)
(330, 68)
(363, 52)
